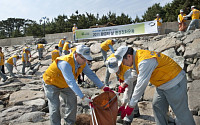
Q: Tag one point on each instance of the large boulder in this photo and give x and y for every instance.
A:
(192, 49)
(17, 98)
(194, 96)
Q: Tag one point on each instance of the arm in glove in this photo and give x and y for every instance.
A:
(87, 100)
(127, 112)
(106, 89)
(121, 108)
(122, 89)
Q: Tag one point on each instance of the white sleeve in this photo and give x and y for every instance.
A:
(14, 61)
(178, 20)
(130, 75)
(146, 67)
(190, 14)
(160, 20)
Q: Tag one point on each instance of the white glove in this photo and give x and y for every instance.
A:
(87, 100)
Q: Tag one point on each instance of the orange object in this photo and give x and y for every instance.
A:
(105, 115)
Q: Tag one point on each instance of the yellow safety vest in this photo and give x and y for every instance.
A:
(112, 55)
(66, 47)
(181, 17)
(60, 43)
(23, 58)
(158, 22)
(54, 54)
(40, 46)
(74, 30)
(166, 70)
(2, 58)
(122, 69)
(10, 60)
(195, 14)
(53, 76)
(104, 45)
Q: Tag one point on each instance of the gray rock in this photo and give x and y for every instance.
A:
(97, 65)
(39, 103)
(31, 117)
(163, 44)
(194, 96)
(192, 49)
(149, 93)
(190, 67)
(196, 71)
(95, 48)
(191, 37)
(24, 95)
(14, 112)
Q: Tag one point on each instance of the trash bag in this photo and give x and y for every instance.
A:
(41, 41)
(105, 114)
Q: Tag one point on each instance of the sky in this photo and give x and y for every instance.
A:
(36, 9)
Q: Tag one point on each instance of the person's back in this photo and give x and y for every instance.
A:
(55, 53)
(194, 14)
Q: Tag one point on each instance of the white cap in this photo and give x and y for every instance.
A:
(120, 52)
(84, 51)
(192, 7)
(74, 24)
(65, 37)
(157, 15)
(181, 10)
(114, 40)
(112, 64)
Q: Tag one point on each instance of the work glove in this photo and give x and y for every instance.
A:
(87, 100)
(121, 81)
(127, 112)
(107, 89)
(121, 108)
(122, 89)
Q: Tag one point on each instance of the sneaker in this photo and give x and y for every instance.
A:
(4, 79)
(126, 123)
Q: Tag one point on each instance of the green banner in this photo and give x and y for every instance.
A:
(117, 31)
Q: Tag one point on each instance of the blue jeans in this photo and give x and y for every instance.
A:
(60, 49)
(40, 52)
(175, 97)
(104, 54)
(195, 23)
(1, 74)
(70, 100)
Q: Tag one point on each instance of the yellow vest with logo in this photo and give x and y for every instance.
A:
(54, 54)
(23, 58)
(158, 22)
(2, 59)
(195, 14)
(104, 45)
(166, 70)
(53, 76)
(60, 43)
(181, 17)
(40, 46)
(122, 69)
(74, 30)
(66, 47)
(10, 60)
